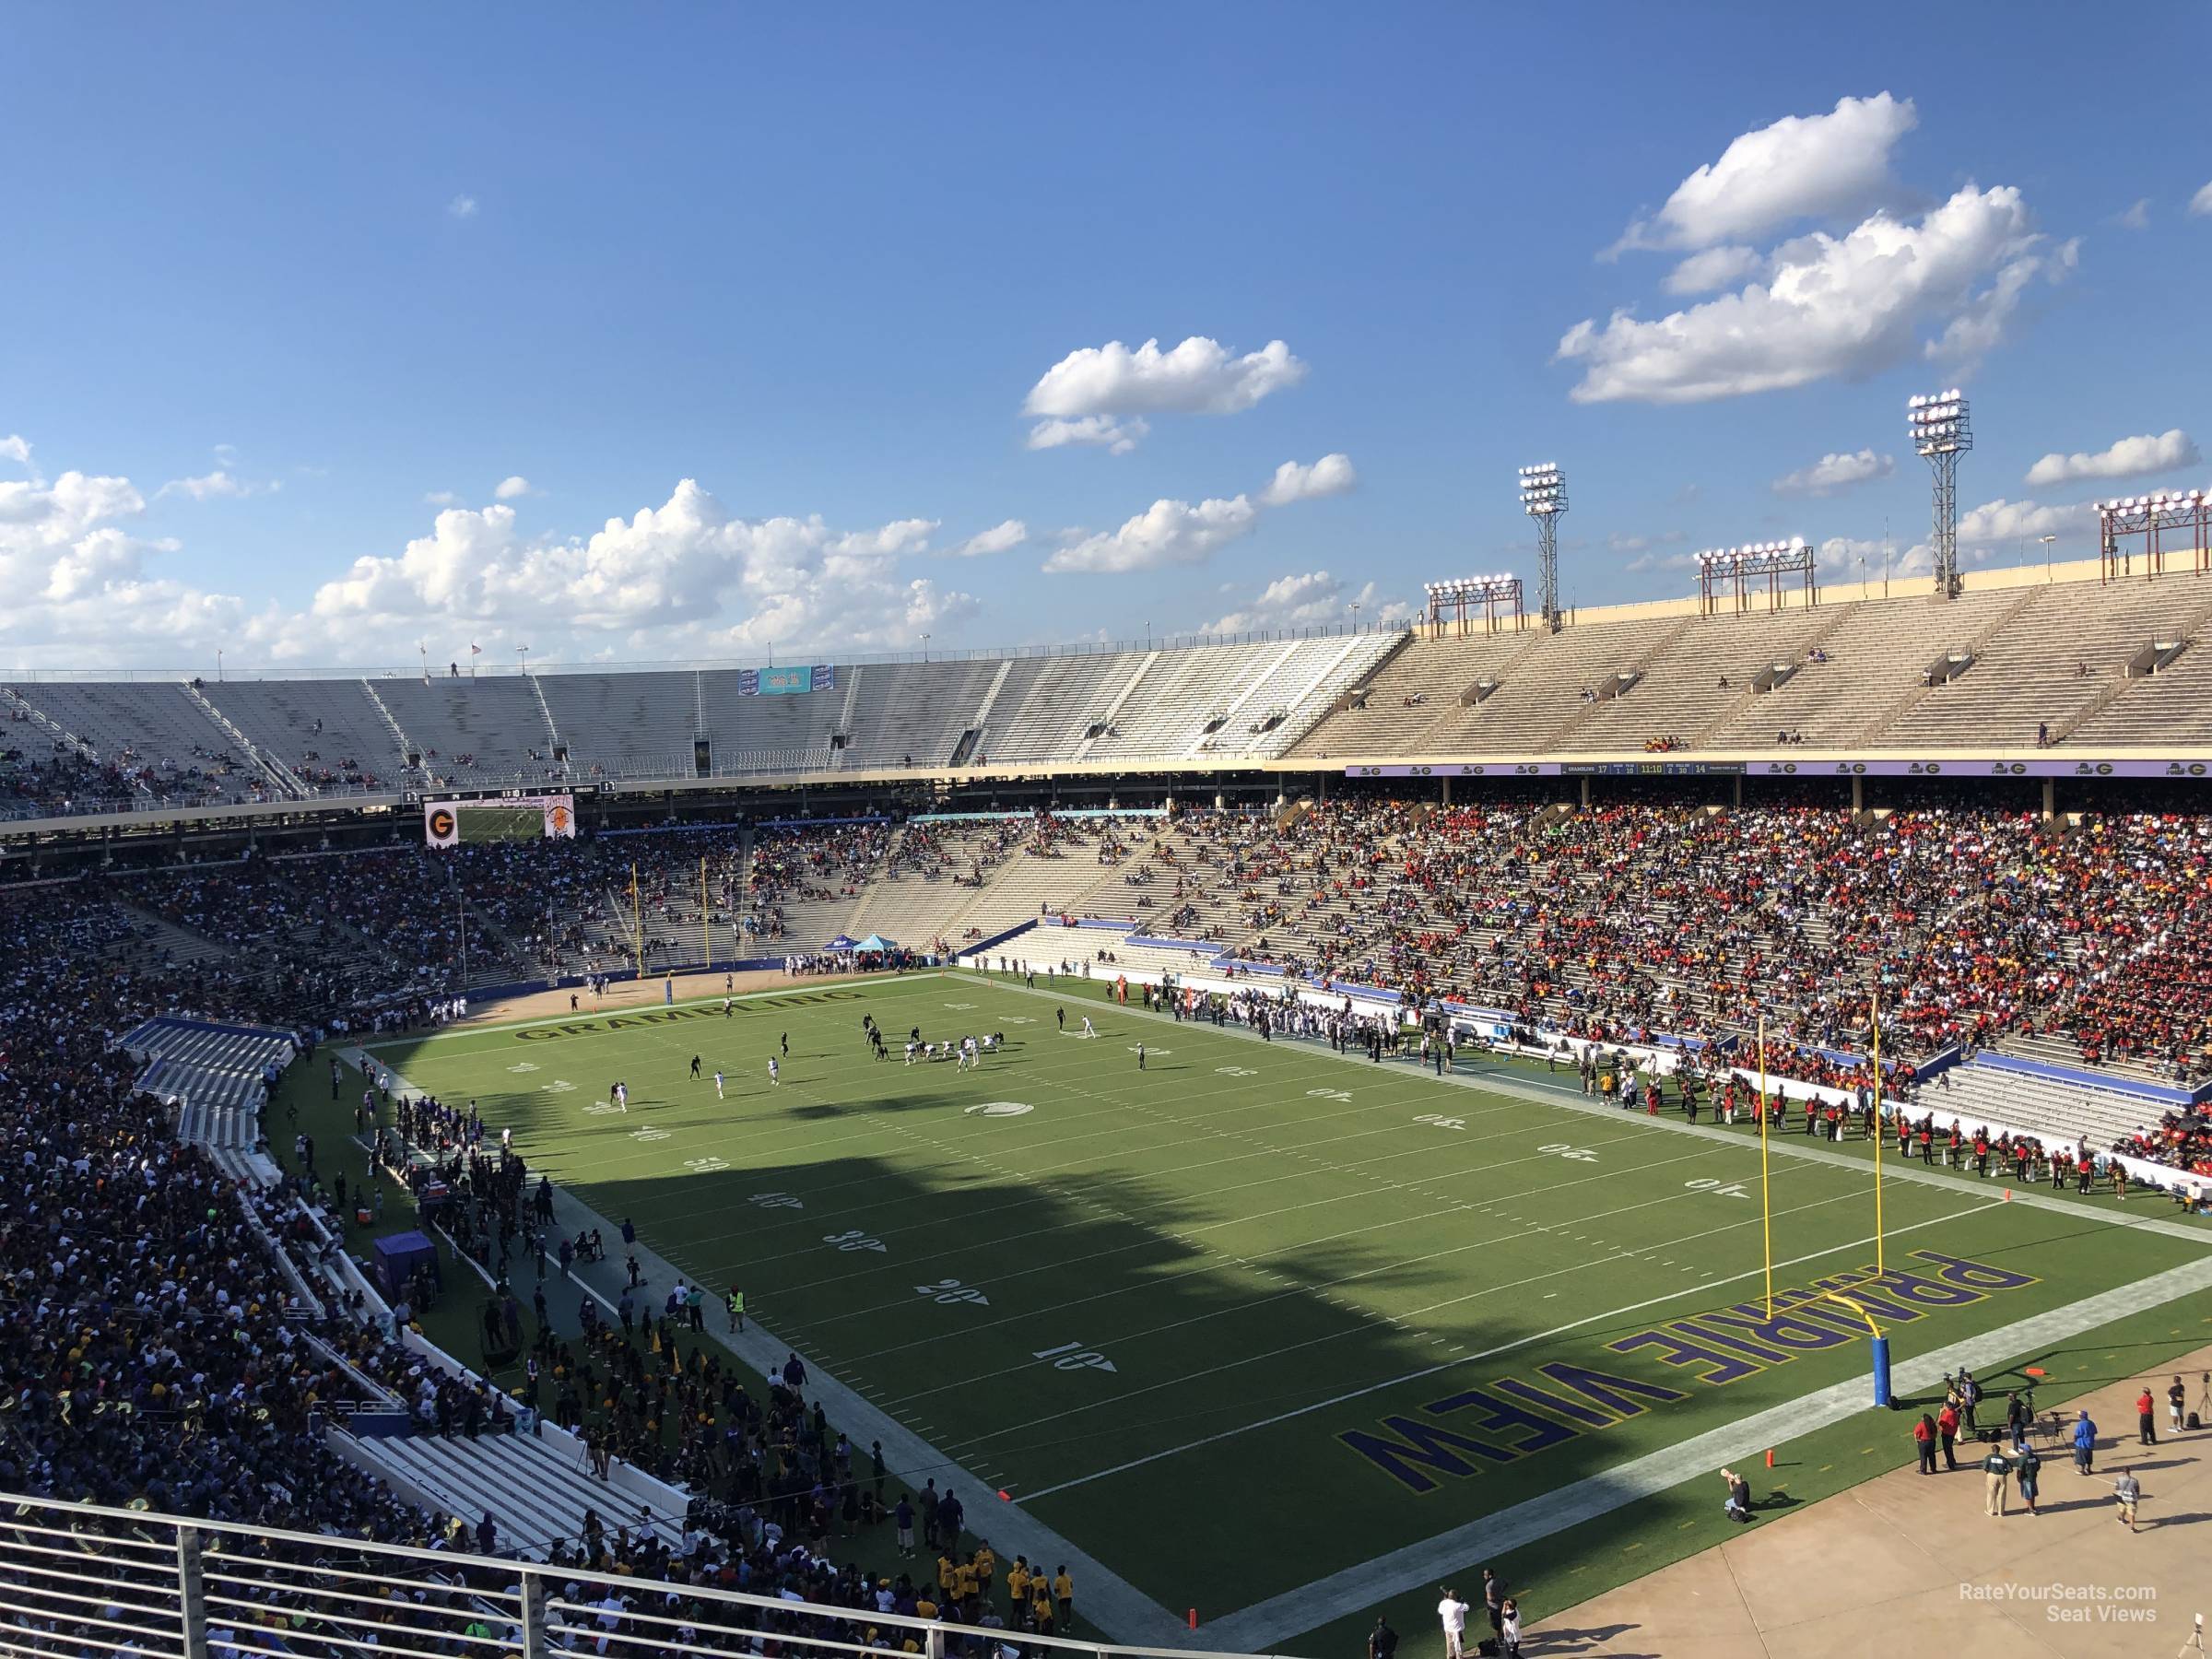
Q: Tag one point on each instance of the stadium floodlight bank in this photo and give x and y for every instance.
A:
(1943, 429)
(1544, 498)
(79, 1579)
(1458, 598)
(2153, 517)
(1742, 569)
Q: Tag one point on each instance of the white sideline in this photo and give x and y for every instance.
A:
(1259, 1627)
(1115, 1604)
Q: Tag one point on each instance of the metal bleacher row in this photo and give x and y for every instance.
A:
(212, 1074)
(2008, 663)
(2122, 664)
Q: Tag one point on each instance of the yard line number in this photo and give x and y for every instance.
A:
(950, 1293)
(1073, 1356)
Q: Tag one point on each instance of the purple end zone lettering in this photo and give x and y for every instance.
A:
(1500, 1416)
(1551, 1402)
(1703, 1332)
(1782, 1330)
(1675, 1349)
(1927, 1292)
(1977, 1276)
(1617, 1394)
(1424, 1446)
(534, 1034)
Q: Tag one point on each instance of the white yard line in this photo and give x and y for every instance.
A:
(1893, 1169)
(1114, 1603)
(1701, 1288)
(1261, 1627)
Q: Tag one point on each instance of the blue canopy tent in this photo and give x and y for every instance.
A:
(843, 942)
(876, 942)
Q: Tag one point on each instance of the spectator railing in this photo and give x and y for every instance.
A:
(82, 1579)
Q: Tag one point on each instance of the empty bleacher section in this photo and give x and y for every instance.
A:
(473, 733)
(328, 733)
(754, 734)
(626, 725)
(155, 742)
(2048, 661)
(537, 1490)
(912, 714)
(214, 1075)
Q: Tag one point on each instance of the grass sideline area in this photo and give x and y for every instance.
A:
(1256, 1312)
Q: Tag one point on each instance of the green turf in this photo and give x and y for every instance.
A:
(1154, 1305)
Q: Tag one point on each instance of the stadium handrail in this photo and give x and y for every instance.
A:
(178, 1584)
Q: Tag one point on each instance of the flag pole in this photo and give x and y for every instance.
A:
(1766, 1204)
(706, 933)
(1875, 1015)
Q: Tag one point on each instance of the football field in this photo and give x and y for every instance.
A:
(1255, 1313)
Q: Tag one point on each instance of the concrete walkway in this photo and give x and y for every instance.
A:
(1908, 1564)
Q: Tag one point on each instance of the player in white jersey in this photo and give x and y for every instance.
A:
(1089, 1029)
(718, 1085)
(774, 1080)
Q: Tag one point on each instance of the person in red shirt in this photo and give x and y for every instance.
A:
(2146, 1428)
(1924, 1438)
(1947, 1428)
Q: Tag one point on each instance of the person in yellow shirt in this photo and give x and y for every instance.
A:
(1040, 1606)
(1018, 1589)
(944, 1573)
(1063, 1592)
(966, 1581)
(987, 1569)
(924, 1608)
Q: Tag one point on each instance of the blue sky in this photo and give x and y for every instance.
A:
(290, 293)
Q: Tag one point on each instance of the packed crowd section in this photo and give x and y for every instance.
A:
(1622, 921)
(159, 1353)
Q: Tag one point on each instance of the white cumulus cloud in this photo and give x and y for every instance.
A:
(1199, 377)
(1835, 471)
(213, 485)
(16, 448)
(1802, 166)
(2201, 202)
(441, 498)
(1117, 437)
(2001, 525)
(1166, 533)
(1000, 538)
(509, 488)
(1830, 306)
(1703, 271)
(686, 577)
(1293, 481)
(2128, 458)
(688, 571)
(2137, 218)
(461, 208)
(1314, 599)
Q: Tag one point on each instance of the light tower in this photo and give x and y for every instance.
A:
(1942, 431)
(1544, 498)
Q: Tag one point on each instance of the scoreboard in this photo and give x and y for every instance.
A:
(511, 816)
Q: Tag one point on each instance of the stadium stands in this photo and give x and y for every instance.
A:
(2009, 664)
(216, 1078)
(328, 733)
